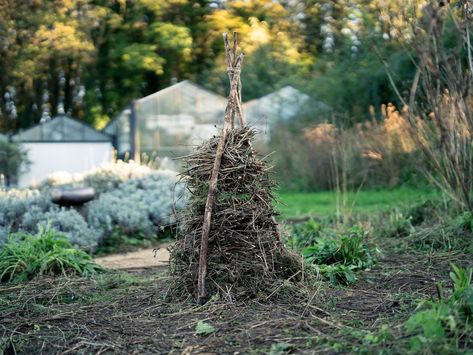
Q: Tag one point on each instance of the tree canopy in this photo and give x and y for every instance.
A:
(89, 58)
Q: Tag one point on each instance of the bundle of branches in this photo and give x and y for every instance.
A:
(228, 240)
(245, 253)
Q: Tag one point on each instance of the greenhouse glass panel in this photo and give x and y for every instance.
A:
(119, 128)
(171, 121)
(62, 129)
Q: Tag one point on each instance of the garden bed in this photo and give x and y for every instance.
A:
(126, 312)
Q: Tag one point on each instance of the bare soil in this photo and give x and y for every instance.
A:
(138, 259)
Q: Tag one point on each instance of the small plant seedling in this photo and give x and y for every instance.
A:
(280, 348)
(203, 328)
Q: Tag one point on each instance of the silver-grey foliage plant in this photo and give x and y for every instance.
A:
(133, 199)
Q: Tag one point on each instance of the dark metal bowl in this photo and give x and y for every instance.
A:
(71, 196)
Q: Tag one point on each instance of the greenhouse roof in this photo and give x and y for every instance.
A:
(285, 103)
(62, 129)
(185, 85)
(181, 99)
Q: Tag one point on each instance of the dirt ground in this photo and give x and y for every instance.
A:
(138, 259)
(127, 312)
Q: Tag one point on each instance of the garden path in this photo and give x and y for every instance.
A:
(138, 259)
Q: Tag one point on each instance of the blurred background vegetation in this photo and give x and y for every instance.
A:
(89, 58)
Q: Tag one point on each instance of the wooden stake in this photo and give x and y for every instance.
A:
(233, 106)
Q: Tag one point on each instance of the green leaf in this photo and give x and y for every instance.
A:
(203, 328)
(280, 348)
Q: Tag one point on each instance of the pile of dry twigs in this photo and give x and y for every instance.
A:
(245, 253)
(228, 241)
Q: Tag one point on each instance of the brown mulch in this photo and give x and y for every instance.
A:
(127, 313)
(57, 315)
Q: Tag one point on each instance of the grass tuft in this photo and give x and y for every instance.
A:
(26, 256)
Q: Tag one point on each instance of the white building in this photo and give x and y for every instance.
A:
(62, 144)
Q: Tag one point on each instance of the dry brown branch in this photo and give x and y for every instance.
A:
(234, 65)
(439, 103)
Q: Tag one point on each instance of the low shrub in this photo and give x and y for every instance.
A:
(320, 156)
(423, 212)
(452, 233)
(396, 224)
(103, 179)
(110, 176)
(445, 326)
(66, 221)
(26, 256)
(138, 207)
(26, 210)
(14, 204)
(428, 227)
(134, 203)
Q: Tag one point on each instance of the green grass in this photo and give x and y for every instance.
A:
(324, 203)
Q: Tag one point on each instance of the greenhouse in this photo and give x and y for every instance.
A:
(172, 121)
(284, 104)
(61, 128)
(169, 122)
(62, 144)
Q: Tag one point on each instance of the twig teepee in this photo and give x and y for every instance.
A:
(231, 243)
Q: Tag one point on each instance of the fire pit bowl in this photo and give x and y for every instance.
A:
(71, 196)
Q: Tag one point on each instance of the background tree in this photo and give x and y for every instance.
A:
(89, 58)
(13, 158)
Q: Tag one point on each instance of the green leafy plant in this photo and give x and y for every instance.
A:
(464, 222)
(304, 235)
(203, 328)
(25, 256)
(338, 274)
(338, 257)
(397, 224)
(280, 348)
(424, 211)
(445, 326)
(448, 232)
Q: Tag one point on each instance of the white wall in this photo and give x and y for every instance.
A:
(76, 157)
